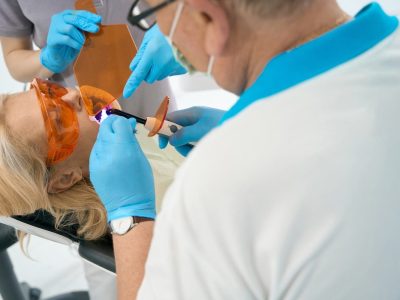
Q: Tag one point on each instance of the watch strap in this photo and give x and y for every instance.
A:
(134, 221)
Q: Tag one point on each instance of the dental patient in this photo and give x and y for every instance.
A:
(46, 138)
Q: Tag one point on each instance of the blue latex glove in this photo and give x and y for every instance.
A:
(196, 122)
(154, 61)
(65, 38)
(120, 172)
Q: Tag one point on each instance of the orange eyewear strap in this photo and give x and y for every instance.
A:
(60, 119)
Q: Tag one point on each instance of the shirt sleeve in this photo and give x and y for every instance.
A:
(13, 22)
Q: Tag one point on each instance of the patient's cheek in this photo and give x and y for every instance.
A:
(88, 131)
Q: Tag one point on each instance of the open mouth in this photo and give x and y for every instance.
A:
(97, 102)
(102, 115)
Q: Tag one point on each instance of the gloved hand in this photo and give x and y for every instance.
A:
(120, 172)
(65, 38)
(196, 122)
(154, 61)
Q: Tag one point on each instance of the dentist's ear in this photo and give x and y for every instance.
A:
(63, 180)
(217, 25)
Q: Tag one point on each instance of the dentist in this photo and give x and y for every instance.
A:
(295, 194)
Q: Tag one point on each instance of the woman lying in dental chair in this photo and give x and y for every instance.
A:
(46, 138)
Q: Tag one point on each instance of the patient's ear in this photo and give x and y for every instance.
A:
(62, 180)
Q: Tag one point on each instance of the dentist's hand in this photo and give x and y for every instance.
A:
(196, 122)
(154, 61)
(120, 172)
(65, 38)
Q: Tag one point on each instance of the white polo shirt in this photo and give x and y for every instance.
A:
(297, 194)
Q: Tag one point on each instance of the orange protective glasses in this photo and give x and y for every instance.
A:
(60, 119)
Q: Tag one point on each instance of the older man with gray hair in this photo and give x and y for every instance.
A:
(295, 194)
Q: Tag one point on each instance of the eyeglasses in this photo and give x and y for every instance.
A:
(145, 20)
(60, 119)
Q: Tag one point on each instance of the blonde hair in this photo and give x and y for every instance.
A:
(23, 188)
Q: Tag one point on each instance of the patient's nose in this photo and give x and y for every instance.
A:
(74, 99)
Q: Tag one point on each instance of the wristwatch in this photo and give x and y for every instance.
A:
(124, 225)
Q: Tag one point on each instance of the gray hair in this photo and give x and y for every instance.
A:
(266, 8)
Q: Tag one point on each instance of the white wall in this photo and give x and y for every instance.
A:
(353, 6)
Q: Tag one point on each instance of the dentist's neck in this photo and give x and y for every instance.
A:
(280, 34)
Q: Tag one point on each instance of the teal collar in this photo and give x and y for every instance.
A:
(370, 26)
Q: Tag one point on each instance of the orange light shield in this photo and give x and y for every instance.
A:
(95, 99)
(85, 5)
(60, 119)
(160, 116)
(104, 60)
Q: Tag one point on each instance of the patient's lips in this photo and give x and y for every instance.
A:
(102, 115)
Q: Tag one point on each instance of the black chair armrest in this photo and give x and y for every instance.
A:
(99, 252)
(45, 221)
(7, 237)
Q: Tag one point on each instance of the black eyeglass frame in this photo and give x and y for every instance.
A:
(135, 20)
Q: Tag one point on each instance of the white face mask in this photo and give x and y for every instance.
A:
(180, 58)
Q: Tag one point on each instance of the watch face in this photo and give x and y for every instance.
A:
(121, 226)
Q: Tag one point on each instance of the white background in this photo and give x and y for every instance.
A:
(55, 268)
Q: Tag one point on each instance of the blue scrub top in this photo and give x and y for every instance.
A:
(369, 27)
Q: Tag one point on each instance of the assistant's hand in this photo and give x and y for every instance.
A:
(196, 122)
(154, 61)
(120, 172)
(65, 38)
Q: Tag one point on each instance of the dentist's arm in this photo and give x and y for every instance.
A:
(123, 179)
(130, 252)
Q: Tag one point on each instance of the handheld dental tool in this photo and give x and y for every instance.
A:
(167, 128)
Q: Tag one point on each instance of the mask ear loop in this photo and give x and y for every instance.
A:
(174, 25)
(176, 19)
(210, 65)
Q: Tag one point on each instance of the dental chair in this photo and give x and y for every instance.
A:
(99, 253)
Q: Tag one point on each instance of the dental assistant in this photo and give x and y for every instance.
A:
(295, 194)
(58, 31)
